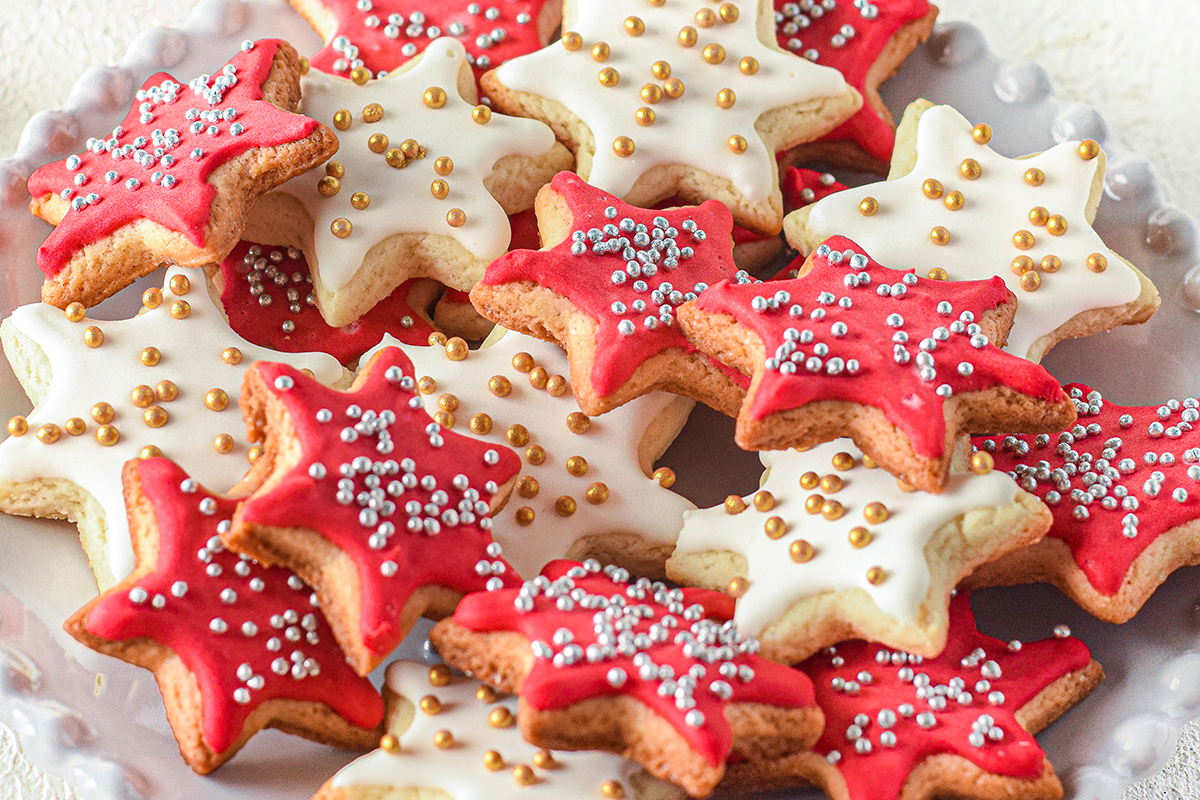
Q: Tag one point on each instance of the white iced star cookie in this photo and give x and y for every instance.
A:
(453, 737)
(686, 99)
(954, 205)
(165, 382)
(585, 489)
(420, 186)
(830, 549)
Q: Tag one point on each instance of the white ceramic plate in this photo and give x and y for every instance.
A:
(99, 722)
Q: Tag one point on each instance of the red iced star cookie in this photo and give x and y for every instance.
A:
(235, 646)
(174, 181)
(867, 43)
(380, 35)
(605, 286)
(1122, 486)
(901, 364)
(657, 674)
(370, 501)
(802, 187)
(288, 320)
(899, 727)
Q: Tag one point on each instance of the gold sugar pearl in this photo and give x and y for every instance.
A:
(360, 76)
(954, 201)
(528, 487)
(738, 144)
(665, 477)
(706, 18)
(934, 274)
(426, 385)
(389, 744)
(1089, 149)
(842, 461)
(360, 200)
(152, 298)
(868, 207)
(813, 503)
(565, 506)
(522, 362)
(748, 65)
(448, 402)
(970, 169)
(443, 165)
(156, 416)
(150, 356)
(982, 133)
(713, 53)
(734, 504)
(329, 186)
(179, 285)
(577, 466)
(430, 704)
(1034, 176)
(1051, 264)
(939, 236)
(932, 188)
(523, 775)
(688, 36)
(859, 537)
(726, 98)
(443, 739)
(1023, 240)
(93, 337)
(623, 146)
(609, 77)
(181, 309)
(166, 391)
(150, 451)
(875, 513)
(1056, 225)
(634, 26)
(499, 386)
(597, 493)
(378, 143)
(572, 41)
(439, 675)
(728, 12)
(437, 339)
(737, 587)
(142, 396)
(412, 149)
(501, 717)
(435, 97)
(539, 377)
(517, 435)
(907, 488)
(48, 433)
(254, 453)
(372, 112)
(556, 386)
(395, 158)
(456, 218)
(1021, 264)
(75, 312)
(103, 413)
(107, 435)
(1031, 281)
(673, 88)
(876, 576)
(600, 52)
(1038, 216)
(481, 115)
(801, 551)
(763, 500)
(341, 227)
(493, 760)
(485, 693)
(535, 455)
(18, 426)
(613, 790)
(223, 443)
(335, 169)
(775, 527)
(831, 484)
(456, 348)
(524, 516)
(651, 93)
(869, 462)
(578, 422)
(661, 70)
(982, 462)
(810, 480)
(544, 759)
(444, 418)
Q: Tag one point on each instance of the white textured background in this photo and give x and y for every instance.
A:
(1136, 61)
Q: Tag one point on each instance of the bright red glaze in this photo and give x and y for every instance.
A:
(185, 208)
(880, 774)
(182, 530)
(547, 687)
(1101, 548)
(854, 58)
(586, 280)
(910, 403)
(525, 234)
(448, 558)
(379, 51)
(796, 180)
(263, 325)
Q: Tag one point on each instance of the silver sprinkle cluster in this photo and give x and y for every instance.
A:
(791, 19)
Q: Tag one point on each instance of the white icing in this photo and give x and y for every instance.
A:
(997, 205)
(82, 376)
(635, 503)
(691, 129)
(898, 543)
(401, 200)
(460, 770)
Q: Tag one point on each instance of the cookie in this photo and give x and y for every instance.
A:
(234, 646)
(164, 382)
(900, 727)
(455, 736)
(901, 364)
(605, 286)
(832, 548)
(676, 99)
(266, 294)
(659, 677)
(455, 315)
(380, 509)
(588, 487)
(954, 207)
(421, 186)
(1121, 485)
(175, 180)
(867, 43)
(380, 35)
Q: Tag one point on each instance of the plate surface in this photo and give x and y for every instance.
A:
(99, 723)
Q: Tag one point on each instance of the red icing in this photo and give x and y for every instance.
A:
(452, 557)
(548, 686)
(263, 325)
(1102, 549)
(880, 773)
(187, 528)
(525, 234)
(797, 180)
(184, 208)
(909, 402)
(853, 58)
(369, 32)
(586, 280)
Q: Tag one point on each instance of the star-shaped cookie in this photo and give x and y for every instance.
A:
(901, 364)
(420, 187)
(954, 206)
(165, 382)
(633, 667)
(1122, 485)
(453, 734)
(235, 647)
(586, 488)
(900, 727)
(681, 98)
(174, 181)
(384, 512)
(832, 548)
(605, 286)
